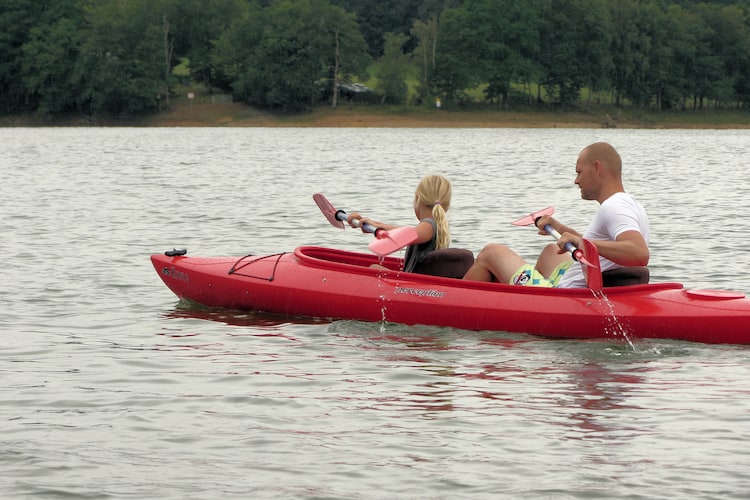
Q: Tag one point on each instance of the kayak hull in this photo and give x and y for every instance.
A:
(336, 284)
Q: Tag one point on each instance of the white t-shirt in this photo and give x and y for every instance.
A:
(619, 213)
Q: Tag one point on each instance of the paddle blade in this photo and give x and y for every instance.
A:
(387, 242)
(591, 267)
(530, 219)
(328, 210)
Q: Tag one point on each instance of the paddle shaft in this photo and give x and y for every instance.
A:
(577, 253)
(379, 232)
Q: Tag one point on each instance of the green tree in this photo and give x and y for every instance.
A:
(670, 59)
(195, 26)
(236, 55)
(350, 57)
(17, 18)
(707, 67)
(48, 57)
(48, 64)
(629, 51)
(596, 41)
(462, 43)
(116, 56)
(293, 55)
(726, 41)
(573, 42)
(684, 45)
(425, 54)
(736, 52)
(496, 42)
(120, 70)
(277, 57)
(394, 66)
(515, 45)
(377, 17)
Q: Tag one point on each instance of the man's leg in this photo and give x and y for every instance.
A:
(549, 259)
(495, 261)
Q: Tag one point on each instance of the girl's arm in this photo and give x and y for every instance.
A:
(424, 229)
(425, 232)
(355, 216)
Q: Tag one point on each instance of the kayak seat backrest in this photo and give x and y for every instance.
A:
(635, 275)
(446, 262)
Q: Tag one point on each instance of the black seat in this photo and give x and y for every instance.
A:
(446, 262)
(635, 275)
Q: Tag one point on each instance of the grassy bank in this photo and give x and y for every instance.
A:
(200, 112)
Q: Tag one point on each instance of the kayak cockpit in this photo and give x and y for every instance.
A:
(445, 263)
(356, 262)
(343, 259)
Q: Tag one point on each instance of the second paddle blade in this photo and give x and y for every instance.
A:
(393, 240)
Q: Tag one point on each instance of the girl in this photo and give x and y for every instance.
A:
(431, 200)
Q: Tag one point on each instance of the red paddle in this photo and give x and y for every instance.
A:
(588, 256)
(385, 242)
(593, 273)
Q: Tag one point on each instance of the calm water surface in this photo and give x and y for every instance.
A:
(112, 389)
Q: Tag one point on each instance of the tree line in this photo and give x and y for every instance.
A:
(116, 57)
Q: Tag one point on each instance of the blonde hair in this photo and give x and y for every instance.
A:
(434, 191)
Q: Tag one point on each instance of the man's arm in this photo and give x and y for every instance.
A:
(629, 249)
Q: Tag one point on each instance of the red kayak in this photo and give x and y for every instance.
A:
(336, 284)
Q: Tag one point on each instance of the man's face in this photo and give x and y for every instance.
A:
(586, 178)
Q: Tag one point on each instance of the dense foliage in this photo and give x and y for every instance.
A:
(116, 57)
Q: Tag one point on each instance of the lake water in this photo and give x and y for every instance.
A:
(112, 389)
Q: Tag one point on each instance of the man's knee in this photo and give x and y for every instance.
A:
(491, 250)
(551, 248)
(550, 258)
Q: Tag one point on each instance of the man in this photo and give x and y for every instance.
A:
(619, 230)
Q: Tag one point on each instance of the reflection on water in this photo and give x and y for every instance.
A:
(259, 320)
(595, 390)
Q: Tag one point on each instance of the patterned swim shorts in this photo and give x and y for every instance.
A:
(527, 275)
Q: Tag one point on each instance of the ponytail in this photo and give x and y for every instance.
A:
(435, 191)
(442, 229)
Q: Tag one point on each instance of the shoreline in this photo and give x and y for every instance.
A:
(202, 114)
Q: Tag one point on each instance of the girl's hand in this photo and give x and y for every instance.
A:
(366, 220)
(354, 216)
